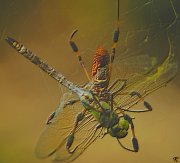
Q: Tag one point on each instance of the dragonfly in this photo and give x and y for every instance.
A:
(101, 106)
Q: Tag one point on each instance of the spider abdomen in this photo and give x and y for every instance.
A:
(101, 68)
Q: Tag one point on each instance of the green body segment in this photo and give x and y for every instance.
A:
(116, 126)
(95, 114)
(119, 130)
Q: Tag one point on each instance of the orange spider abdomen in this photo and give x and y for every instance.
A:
(101, 59)
(100, 67)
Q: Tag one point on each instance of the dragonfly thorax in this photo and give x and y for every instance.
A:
(107, 118)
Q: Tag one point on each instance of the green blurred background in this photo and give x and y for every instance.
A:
(28, 96)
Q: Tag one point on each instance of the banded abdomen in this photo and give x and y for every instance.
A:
(43, 66)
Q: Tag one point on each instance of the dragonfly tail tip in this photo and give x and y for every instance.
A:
(10, 40)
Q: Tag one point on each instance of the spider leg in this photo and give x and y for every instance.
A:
(76, 51)
(71, 102)
(70, 138)
(116, 91)
(111, 98)
(146, 104)
(124, 81)
(52, 115)
(97, 102)
(115, 39)
(147, 108)
(134, 139)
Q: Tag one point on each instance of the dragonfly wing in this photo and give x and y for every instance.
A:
(144, 84)
(58, 128)
(125, 67)
(53, 139)
(87, 132)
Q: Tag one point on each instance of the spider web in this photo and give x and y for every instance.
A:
(145, 28)
(143, 47)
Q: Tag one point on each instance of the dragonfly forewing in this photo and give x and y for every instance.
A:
(53, 139)
(144, 84)
(125, 67)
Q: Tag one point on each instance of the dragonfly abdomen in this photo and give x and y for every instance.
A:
(42, 65)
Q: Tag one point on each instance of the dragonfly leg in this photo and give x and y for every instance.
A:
(76, 51)
(134, 139)
(70, 138)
